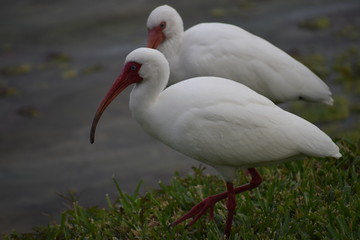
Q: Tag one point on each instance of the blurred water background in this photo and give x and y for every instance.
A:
(58, 58)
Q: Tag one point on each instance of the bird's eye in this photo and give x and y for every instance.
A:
(162, 25)
(133, 67)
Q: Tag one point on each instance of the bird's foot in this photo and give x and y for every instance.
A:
(209, 203)
(200, 209)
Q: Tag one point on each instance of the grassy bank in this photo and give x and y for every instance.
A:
(309, 199)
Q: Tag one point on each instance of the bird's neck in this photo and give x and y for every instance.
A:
(145, 95)
(171, 47)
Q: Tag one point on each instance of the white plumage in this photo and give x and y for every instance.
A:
(221, 122)
(224, 50)
(214, 120)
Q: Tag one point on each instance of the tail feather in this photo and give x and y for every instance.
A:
(336, 155)
(329, 101)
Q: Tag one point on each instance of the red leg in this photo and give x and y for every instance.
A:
(199, 209)
(208, 203)
(255, 181)
(230, 205)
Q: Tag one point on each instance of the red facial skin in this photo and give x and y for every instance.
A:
(156, 36)
(128, 76)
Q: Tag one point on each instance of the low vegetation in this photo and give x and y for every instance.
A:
(309, 199)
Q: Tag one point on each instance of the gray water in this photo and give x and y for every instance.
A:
(51, 153)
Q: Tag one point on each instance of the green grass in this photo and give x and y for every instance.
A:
(316, 62)
(309, 199)
(15, 70)
(319, 23)
(6, 91)
(347, 67)
(342, 72)
(321, 113)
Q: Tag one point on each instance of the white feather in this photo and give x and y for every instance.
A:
(224, 50)
(220, 122)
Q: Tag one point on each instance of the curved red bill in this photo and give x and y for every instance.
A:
(127, 77)
(155, 37)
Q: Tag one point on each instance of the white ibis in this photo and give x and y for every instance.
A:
(216, 121)
(224, 50)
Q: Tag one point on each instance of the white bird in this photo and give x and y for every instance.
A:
(228, 51)
(216, 121)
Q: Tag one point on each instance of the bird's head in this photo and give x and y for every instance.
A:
(141, 66)
(163, 23)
